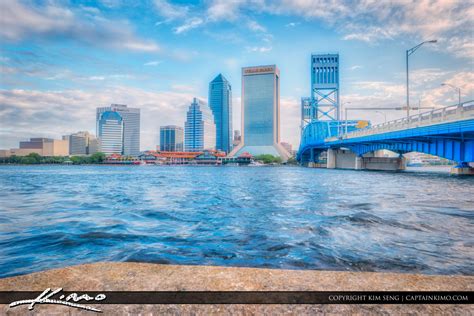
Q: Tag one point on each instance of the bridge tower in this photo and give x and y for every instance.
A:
(323, 105)
(325, 86)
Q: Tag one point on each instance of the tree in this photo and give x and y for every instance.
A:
(97, 157)
(77, 160)
(33, 158)
(267, 159)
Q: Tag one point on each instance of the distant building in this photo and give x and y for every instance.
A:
(220, 102)
(110, 130)
(200, 130)
(171, 138)
(82, 143)
(260, 112)
(131, 127)
(42, 146)
(237, 138)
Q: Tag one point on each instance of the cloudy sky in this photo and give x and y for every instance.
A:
(61, 59)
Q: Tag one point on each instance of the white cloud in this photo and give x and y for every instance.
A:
(20, 22)
(153, 63)
(371, 21)
(292, 24)
(188, 25)
(255, 26)
(224, 9)
(94, 78)
(183, 88)
(170, 11)
(259, 49)
(355, 67)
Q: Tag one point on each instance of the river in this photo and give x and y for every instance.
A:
(277, 217)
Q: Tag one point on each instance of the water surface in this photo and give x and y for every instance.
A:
(278, 217)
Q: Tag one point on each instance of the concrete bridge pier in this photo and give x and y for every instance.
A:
(331, 159)
(346, 159)
(464, 169)
(359, 163)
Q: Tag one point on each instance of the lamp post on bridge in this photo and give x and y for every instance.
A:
(455, 88)
(408, 53)
(345, 112)
(384, 115)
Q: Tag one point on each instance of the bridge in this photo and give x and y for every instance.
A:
(445, 132)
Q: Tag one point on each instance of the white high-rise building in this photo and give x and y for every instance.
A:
(82, 143)
(199, 129)
(131, 127)
(110, 128)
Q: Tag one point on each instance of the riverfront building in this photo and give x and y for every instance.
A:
(220, 102)
(42, 146)
(200, 129)
(261, 112)
(171, 138)
(82, 143)
(110, 130)
(131, 127)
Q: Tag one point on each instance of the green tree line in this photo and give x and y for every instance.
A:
(34, 158)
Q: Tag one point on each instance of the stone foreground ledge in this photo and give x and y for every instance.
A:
(108, 276)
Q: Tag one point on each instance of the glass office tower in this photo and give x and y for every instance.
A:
(82, 143)
(131, 127)
(220, 102)
(110, 129)
(171, 138)
(261, 112)
(199, 129)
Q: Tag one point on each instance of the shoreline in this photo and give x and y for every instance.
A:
(132, 276)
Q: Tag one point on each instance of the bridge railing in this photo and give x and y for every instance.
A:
(455, 112)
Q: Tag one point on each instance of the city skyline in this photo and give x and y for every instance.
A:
(88, 54)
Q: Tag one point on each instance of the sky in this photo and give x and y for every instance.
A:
(60, 60)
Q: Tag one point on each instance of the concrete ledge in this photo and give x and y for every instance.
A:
(153, 277)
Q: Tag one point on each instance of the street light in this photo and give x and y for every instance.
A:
(408, 53)
(345, 111)
(455, 88)
(384, 115)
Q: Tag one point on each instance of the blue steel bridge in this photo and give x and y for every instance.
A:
(445, 132)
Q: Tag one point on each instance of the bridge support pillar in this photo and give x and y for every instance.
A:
(359, 163)
(463, 169)
(331, 159)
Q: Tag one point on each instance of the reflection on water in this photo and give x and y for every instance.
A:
(282, 217)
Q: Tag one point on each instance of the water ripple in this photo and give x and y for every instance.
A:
(296, 218)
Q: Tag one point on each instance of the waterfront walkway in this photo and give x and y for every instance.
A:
(109, 276)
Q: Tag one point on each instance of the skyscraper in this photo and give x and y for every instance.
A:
(131, 127)
(110, 128)
(220, 102)
(199, 129)
(171, 138)
(261, 112)
(82, 143)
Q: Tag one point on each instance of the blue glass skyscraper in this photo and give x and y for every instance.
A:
(261, 112)
(199, 128)
(220, 102)
(171, 138)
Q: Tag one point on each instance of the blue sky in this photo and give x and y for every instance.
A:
(62, 59)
